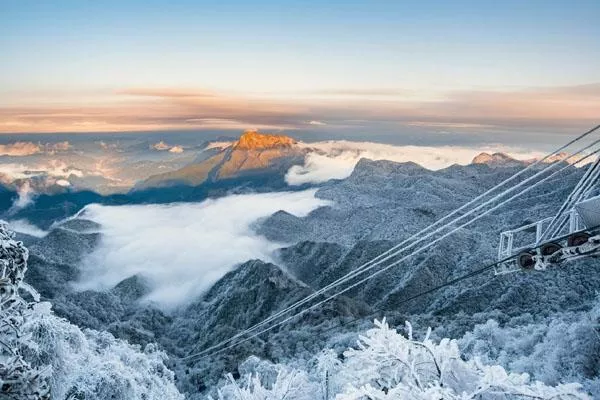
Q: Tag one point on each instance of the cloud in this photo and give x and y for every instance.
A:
(63, 183)
(160, 146)
(219, 145)
(11, 172)
(549, 104)
(109, 147)
(456, 125)
(60, 169)
(23, 226)
(337, 159)
(58, 147)
(30, 180)
(25, 199)
(368, 92)
(142, 109)
(166, 92)
(19, 149)
(51, 170)
(183, 248)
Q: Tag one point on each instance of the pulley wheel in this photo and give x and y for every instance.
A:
(548, 249)
(525, 260)
(577, 239)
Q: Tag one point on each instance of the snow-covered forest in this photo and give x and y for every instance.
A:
(44, 356)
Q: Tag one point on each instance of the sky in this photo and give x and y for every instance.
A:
(462, 67)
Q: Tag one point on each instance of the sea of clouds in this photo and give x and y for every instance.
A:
(337, 159)
(184, 248)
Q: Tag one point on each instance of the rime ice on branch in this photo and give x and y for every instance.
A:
(387, 365)
(18, 379)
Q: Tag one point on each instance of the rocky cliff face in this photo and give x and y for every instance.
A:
(253, 140)
(253, 155)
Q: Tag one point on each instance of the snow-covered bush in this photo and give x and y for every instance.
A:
(43, 356)
(388, 365)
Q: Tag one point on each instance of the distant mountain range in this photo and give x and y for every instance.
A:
(256, 162)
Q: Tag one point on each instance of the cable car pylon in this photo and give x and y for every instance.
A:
(571, 234)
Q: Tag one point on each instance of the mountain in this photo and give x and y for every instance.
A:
(248, 294)
(504, 160)
(495, 159)
(253, 155)
(376, 207)
(384, 202)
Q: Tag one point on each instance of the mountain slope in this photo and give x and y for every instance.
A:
(254, 154)
(378, 206)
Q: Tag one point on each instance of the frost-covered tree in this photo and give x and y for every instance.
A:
(263, 380)
(18, 378)
(386, 365)
(43, 356)
(94, 365)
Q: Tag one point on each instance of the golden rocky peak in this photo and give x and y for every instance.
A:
(252, 140)
(485, 158)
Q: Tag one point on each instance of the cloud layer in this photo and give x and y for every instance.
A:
(138, 109)
(23, 226)
(183, 248)
(53, 168)
(22, 149)
(337, 159)
(162, 146)
(19, 149)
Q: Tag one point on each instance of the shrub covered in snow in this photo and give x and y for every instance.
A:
(387, 365)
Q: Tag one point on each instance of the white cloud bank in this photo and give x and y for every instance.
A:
(219, 145)
(23, 149)
(53, 168)
(20, 149)
(162, 146)
(337, 159)
(183, 249)
(23, 226)
(176, 149)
